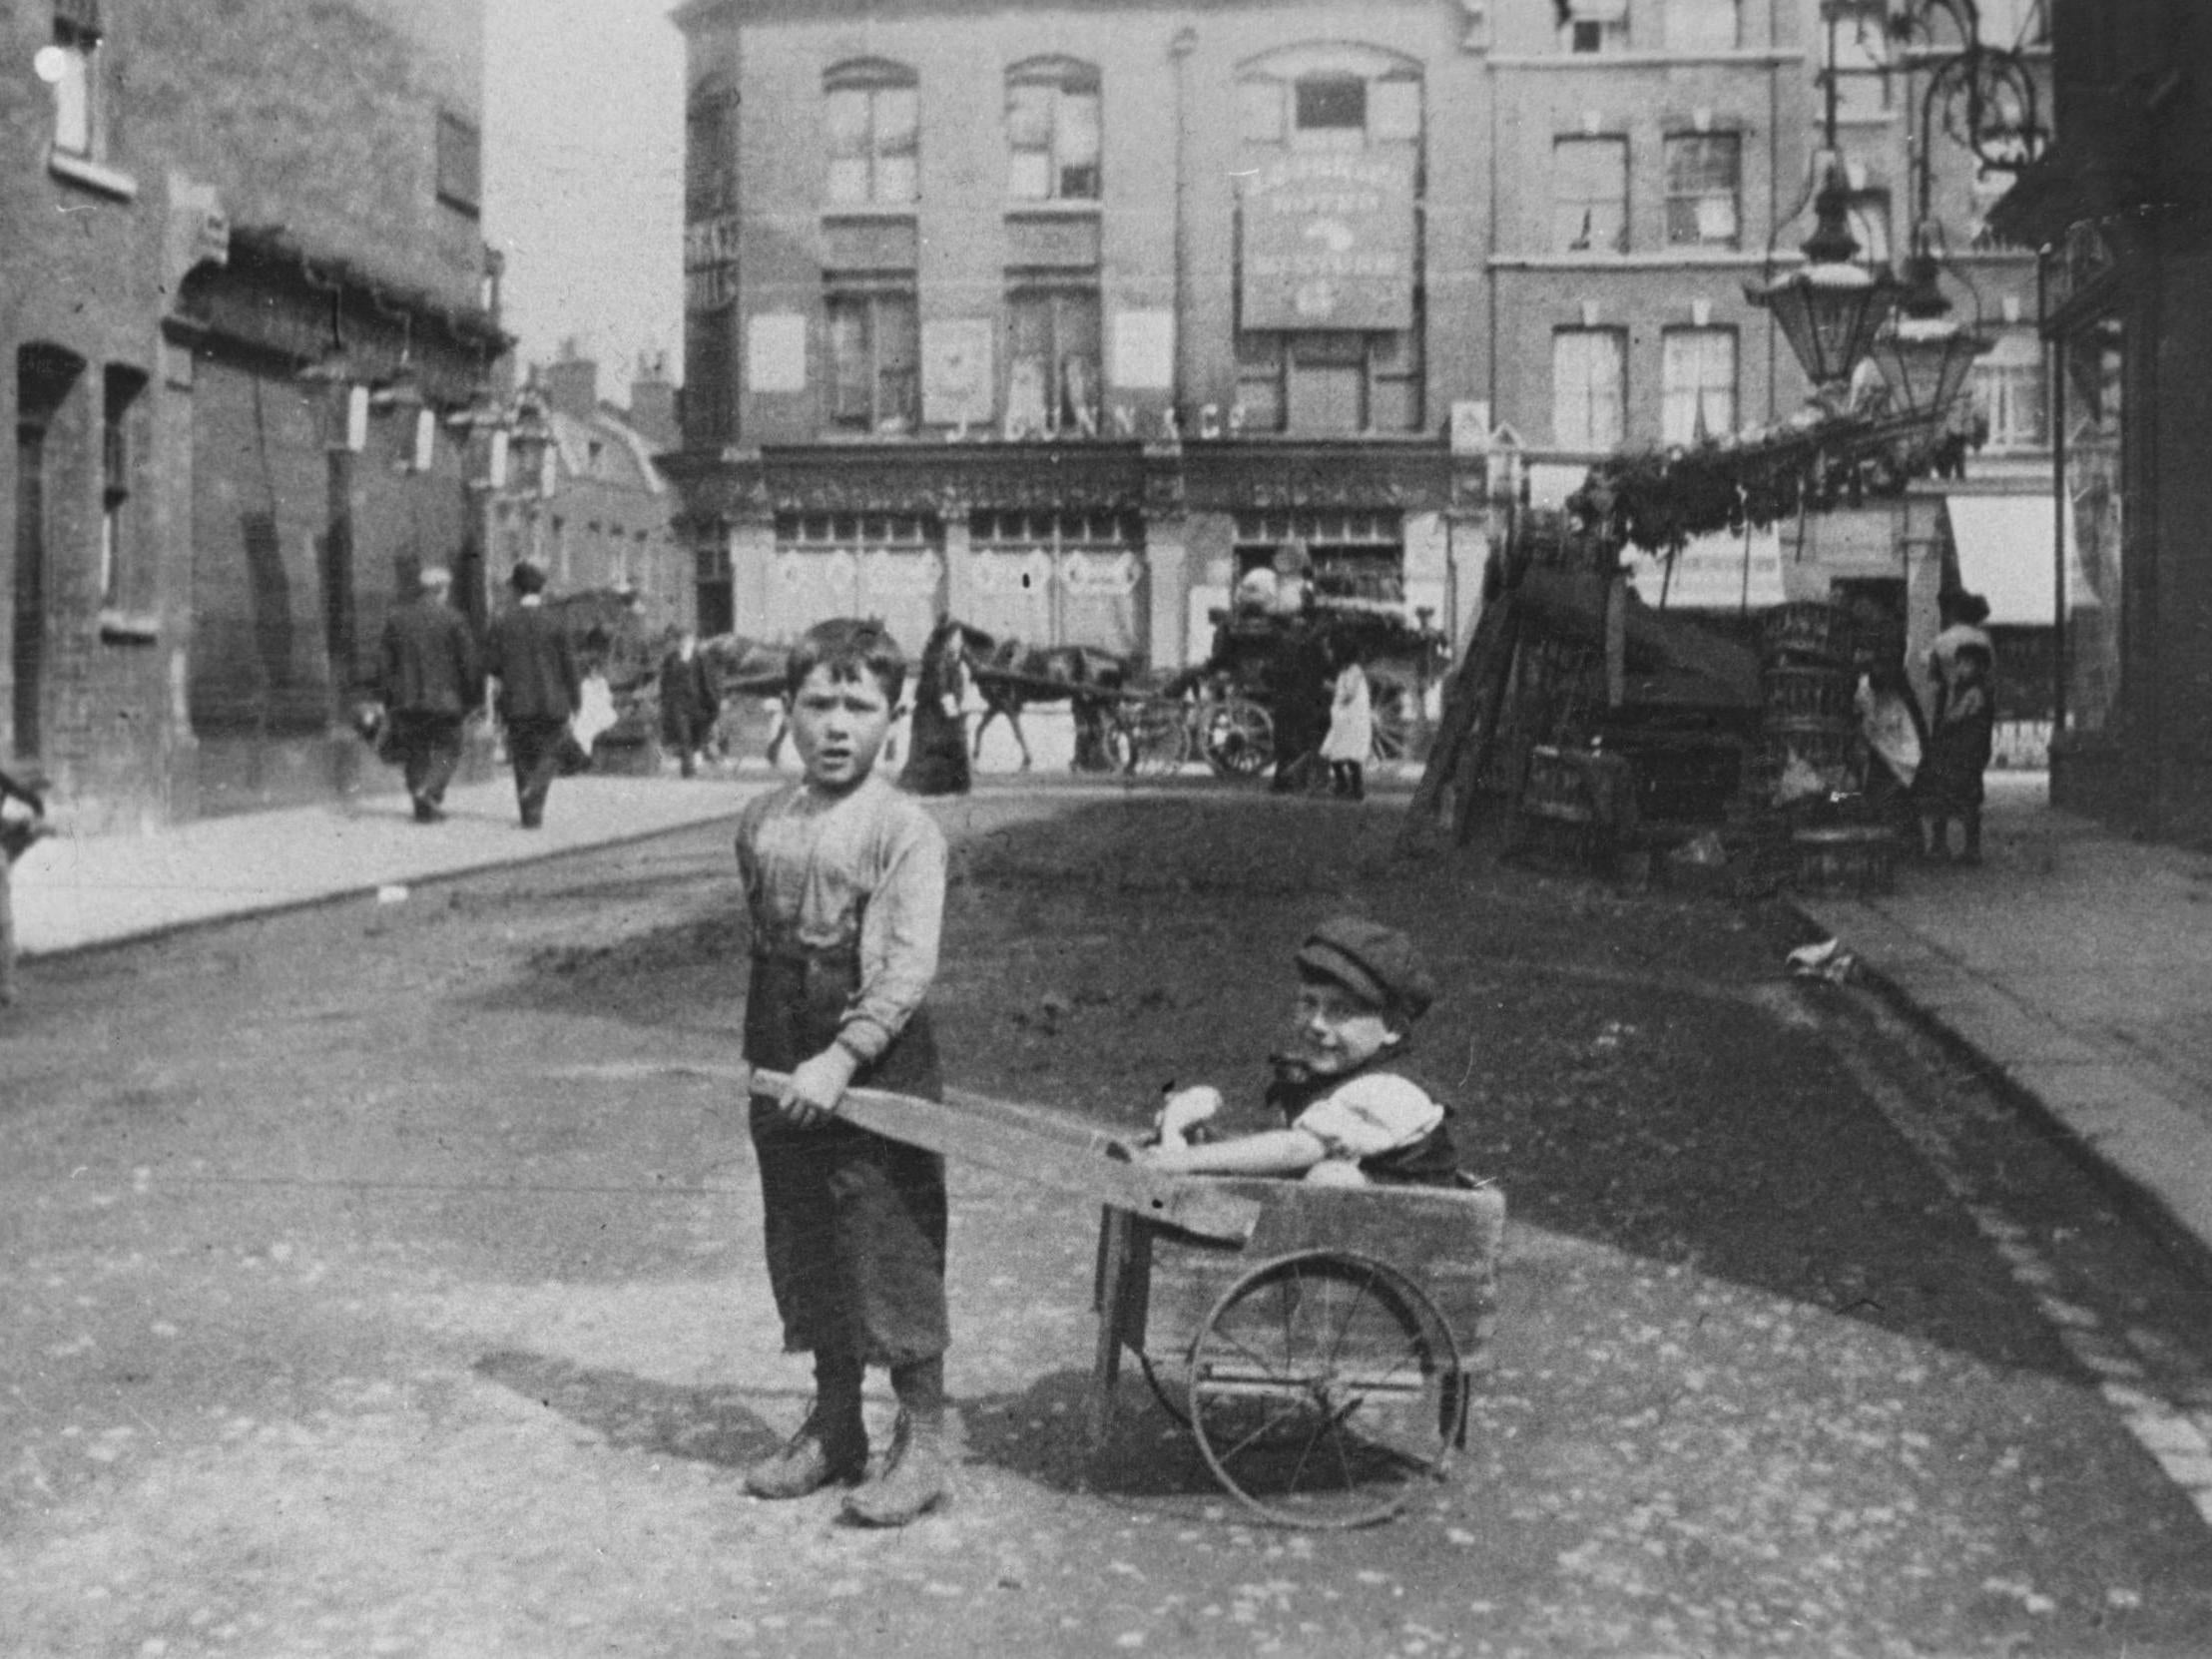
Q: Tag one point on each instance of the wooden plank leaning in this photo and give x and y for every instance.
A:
(1045, 1148)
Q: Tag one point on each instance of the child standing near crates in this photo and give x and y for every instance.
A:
(845, 881)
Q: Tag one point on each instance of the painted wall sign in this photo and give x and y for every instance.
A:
(957, 370)
(1328, 242)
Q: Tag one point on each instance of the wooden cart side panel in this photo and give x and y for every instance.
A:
(1448, 1242)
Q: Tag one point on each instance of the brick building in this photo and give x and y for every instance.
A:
(2121, 208)
(1059, 317)
(607, 519)
(244, 279)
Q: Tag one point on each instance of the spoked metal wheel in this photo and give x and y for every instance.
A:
(1157, 739)
(1239, 737)
(1324, 1391)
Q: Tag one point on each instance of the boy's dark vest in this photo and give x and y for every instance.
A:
(1432, 1161)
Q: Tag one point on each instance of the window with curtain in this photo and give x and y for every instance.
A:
(1589, 195)
(1053, 138)
(875, 359)
(1053, 359)
(874, 115)
(1589, 387)
(120, 387)
(1697, 380)
(1704, 179)
(1701, 25)
(1867, 214)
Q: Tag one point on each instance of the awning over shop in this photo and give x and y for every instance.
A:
(2004, 544)
(1722, 572)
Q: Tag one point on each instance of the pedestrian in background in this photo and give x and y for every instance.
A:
(430, 680)
(539, 689)
(1351, 728)
(691, 700)
(1962, 730)
(17, 833)
(1299, 693)
(843, 880)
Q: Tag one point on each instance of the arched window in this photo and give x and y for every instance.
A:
(1052, 131)
(873, 112)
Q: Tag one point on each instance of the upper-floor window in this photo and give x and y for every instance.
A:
(1052, 379)
(1328, 108)
(1859, 64)
(1589, 195)
(73, 67)
(1697, 384)
(460, 165)
(874, 358)
(1701, 25)
(120, 391)
(1704, 179)
(873, 112)
(1594, 25)
(1052, 131)
(1589, 387)
(2008, 393)
(711, 151)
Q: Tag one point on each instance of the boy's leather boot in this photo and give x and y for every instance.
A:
(912, 1479)
(830, 1445)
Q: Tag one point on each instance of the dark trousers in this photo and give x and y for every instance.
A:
(1347, 778)
(855, 1223)
(534, 746)
(429, 746)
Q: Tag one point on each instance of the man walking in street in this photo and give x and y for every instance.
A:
(539, 689)
(691, 699)
(430, 680)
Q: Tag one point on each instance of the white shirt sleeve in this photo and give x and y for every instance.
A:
(1370, 1115)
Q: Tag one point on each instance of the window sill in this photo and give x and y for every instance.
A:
(1679, 258)
(91, 174)
(872, 212)
(130, 627)
(1758, 56)
(1053, 207)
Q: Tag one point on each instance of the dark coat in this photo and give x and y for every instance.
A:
(427, 661)
(690, 699)
(535, 666)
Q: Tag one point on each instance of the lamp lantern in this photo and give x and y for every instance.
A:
(1831, 308)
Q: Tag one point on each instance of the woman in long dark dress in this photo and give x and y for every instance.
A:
(937, 749)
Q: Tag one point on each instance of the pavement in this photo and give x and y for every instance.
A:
(2073, 963)
(2076, 965)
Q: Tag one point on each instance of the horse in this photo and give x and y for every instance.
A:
(1010, 676)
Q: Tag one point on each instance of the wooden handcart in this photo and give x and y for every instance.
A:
(1319, 1343)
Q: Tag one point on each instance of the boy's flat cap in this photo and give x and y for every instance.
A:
(1376, 963)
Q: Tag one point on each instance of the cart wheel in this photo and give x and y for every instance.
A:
(1325, 1389)
(1159, 740)
(1239, 737)
(1392, 702)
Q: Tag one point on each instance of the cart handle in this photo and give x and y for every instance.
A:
(1044, 1147)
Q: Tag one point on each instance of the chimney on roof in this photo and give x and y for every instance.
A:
(653, 404)
(572, 383)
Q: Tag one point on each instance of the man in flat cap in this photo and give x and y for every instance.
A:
(431, 680)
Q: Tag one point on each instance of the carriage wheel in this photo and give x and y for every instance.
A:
(1239, 737)
(1157, 739)
(1324, 1391)
(1393, 720)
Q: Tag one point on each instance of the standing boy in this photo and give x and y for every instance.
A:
(845, 887)
(539, 690)
(690, 702)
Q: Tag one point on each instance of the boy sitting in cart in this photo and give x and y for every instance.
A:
(1350, 1119)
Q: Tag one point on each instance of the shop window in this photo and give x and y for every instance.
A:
(1356, 555)
(875, 378)
(1053, 381)
(1594, 25)
(118, 472)
(873, 114)
(2008, 393)
(1704, 177)
(1589, 195)
(1053, 139)
(1697, 378)
(1060, 578)
(1701, 25)
(711, 151)
(1589, 387)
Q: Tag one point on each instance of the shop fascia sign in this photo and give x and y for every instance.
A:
(1124, 422)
